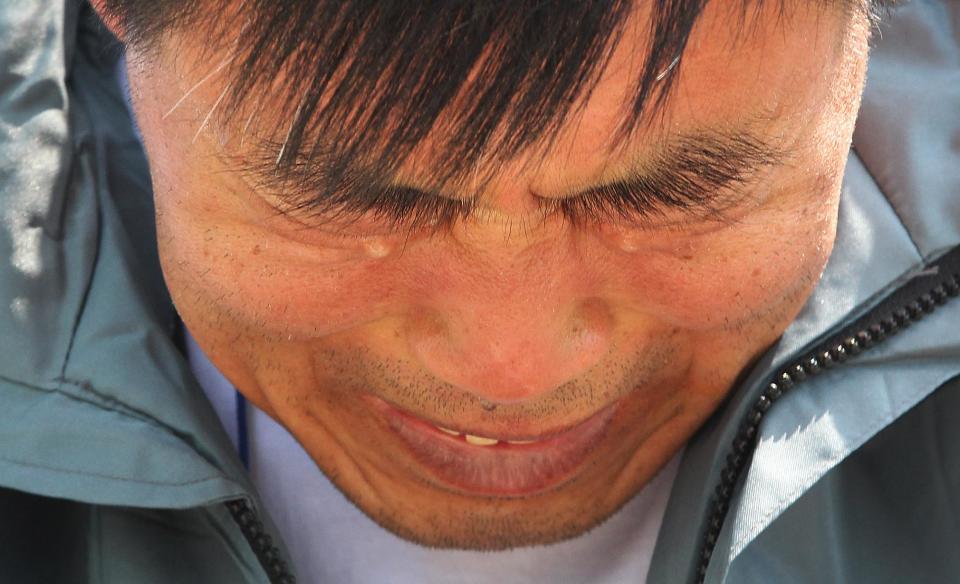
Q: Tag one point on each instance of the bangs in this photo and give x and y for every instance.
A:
(353, 86)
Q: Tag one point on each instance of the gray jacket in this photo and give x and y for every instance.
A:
(835, 459)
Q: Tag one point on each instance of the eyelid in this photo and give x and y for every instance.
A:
(427, 215)
(641, 211)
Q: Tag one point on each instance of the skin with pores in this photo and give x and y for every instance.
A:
(516, 331)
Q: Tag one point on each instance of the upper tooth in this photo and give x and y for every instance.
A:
(480, 440)
(448, 431)
(520, 441)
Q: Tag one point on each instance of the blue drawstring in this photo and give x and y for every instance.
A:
(242, 445)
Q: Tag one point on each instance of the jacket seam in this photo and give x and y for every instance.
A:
(106, 408)
(883, 193)
(108, 402)
(107, 476)
(102, 404)
(82, 158)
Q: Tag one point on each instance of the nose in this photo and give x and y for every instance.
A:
(512, 343)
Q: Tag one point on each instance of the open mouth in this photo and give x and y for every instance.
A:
(507, 466)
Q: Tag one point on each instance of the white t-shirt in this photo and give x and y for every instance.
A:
(330, 540)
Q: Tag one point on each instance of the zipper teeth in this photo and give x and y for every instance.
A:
(260, 542)
(831, 353)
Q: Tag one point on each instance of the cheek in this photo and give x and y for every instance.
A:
(239, 278)
(226, 275)
(761, 270)
(277, 299)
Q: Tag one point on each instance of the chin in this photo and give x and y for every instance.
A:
(491, 527)
(433, 517)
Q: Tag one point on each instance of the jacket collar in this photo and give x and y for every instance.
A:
(98, 404)
(901, 156)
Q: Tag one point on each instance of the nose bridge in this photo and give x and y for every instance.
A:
(512, 333)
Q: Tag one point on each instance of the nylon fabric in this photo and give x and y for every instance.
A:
(93, 297)
(910, 135)
(816, 540)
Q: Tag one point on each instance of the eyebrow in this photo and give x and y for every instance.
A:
(699, 173)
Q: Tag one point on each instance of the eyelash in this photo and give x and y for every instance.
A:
(617, 204)
(409, 213)
(391, 211)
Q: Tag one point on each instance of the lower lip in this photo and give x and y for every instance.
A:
(504, 469)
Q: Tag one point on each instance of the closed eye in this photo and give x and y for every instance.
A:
(695, 178)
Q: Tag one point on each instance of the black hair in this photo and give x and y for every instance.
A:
(359, 83)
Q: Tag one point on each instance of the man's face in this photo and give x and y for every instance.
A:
(606, 344)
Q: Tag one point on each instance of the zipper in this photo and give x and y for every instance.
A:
(920, 296)
(260, 542)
